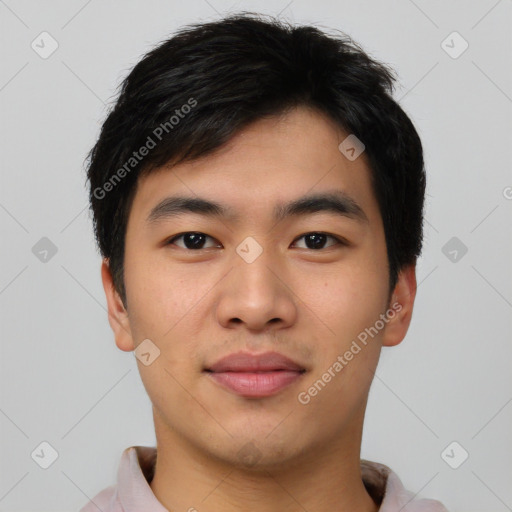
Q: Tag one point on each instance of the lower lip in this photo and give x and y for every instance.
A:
(256, 385)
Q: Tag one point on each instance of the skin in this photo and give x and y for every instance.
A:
(309, 304)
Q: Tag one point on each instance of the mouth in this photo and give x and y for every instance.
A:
(255, 375)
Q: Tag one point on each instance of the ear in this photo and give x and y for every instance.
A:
(117, 314)
(401, 304)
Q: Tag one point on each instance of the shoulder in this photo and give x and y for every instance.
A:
(106, 501)
(387, 490)
(398, 498)
(135, 471)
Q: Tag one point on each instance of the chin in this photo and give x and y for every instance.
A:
(258, 453)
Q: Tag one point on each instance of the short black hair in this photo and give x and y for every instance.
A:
(193, 92)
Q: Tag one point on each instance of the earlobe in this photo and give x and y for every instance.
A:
(400, 307)
(117, 314)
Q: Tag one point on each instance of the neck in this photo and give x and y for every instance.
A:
(326, 478)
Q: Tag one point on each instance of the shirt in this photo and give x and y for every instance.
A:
(132, 493)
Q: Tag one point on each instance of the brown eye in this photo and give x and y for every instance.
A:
(317, 240)
(192, 240)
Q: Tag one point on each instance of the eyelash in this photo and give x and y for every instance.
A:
(340, 241)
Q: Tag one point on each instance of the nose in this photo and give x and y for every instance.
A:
(257, 294)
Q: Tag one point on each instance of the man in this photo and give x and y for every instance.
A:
(257, 198)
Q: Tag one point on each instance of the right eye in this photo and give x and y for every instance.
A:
(192, 240)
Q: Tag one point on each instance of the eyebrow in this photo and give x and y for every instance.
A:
(336, 201)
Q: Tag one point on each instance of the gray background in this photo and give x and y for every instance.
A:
(63, 380)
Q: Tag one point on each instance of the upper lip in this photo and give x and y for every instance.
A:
(247, 362)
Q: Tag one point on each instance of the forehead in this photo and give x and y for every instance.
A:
(264, 166)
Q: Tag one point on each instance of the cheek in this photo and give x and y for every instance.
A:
(165, 304)
(346, 308)
(347, 300)
(158, 294)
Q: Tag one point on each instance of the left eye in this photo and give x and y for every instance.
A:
(317, 240)
(195, 240)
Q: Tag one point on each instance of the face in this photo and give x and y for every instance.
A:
(308, 285)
